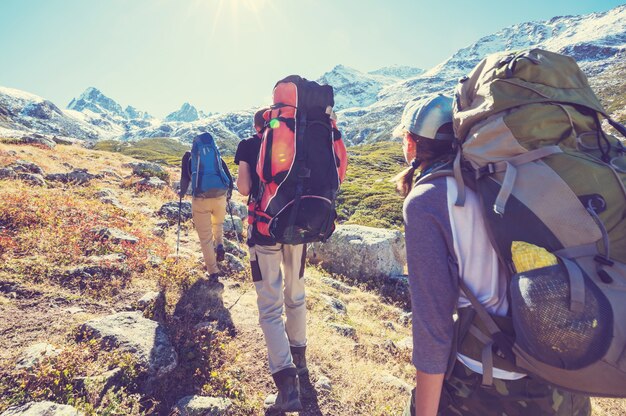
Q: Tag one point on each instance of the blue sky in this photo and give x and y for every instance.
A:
(223, 55)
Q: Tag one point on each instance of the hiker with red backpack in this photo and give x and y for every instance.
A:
(291, 170)
(211, 188)
(449, 252)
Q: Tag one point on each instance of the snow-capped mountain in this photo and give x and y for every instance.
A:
(368, 104)
(186, 114)
(597, 41)
(354, 88)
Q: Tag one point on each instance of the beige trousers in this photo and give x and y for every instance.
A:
(280, 288)
(208, 218)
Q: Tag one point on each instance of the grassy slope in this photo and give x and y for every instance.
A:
(161, 150)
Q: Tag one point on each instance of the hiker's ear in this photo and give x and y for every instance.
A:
(409, 146)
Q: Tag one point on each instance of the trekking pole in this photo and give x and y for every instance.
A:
(180, 206)
(232, 221)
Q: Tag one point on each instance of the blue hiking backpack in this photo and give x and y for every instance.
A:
(208, 178)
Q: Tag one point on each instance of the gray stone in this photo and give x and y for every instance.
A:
(66, 141)
(336, 284)
(130, 332)
(203, 406)
(335, 304)
(44, 408)
(76, 177)
(27, 167)
(7, 173)
(32, 178)
(389, 346)
(395, 382)
(323, 383)
(169, 210)
(270, 401)
(105, 193)
(111, 174)
(97, 386)
(238, 209)
(234, 249)
(232, 225)
(234, 263)
(38, 140)
(112, 201)
(35, 353)
(152, 304)
(158, 232)
(389, 325)
(362, 253)
(345, 330)
(147, 170)
(154, 260)
(151, 183)
(116, 235)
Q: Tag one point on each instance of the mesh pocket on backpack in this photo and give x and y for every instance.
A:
(548, 330)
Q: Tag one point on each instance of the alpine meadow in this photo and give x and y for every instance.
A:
(117, 297)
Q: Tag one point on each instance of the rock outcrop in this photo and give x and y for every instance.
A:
(44, 408)
(362, 253)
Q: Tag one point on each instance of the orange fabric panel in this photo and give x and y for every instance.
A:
(342, 154)
(285, 93)
(268, 193)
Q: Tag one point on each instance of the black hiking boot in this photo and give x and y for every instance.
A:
(220, 253)
(288, 399)
(298, 354)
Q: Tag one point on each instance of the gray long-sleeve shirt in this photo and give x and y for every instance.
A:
(434, 291)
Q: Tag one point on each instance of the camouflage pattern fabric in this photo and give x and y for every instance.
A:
(463, 395)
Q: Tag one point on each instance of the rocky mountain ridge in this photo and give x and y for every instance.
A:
(369, 104)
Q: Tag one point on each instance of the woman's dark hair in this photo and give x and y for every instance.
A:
(259, 121)
(427, 151)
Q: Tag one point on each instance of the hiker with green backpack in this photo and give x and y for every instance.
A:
(211, 188)
(517, 225)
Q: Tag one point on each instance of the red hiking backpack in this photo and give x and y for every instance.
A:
(301, 164)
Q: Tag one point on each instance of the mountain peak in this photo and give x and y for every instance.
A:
(187, 113)
(94, 100)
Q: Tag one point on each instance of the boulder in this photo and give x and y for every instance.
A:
(234, 263)
(7, 173)
(234, 249)
(148, 170)
(77, 177)
(335, 304)
(112, 201)
(395, 382)
(238, 209)
(108, 258)
(116, 235)
(35, 353)
(97, 386)
(111, 174)
(158, 232)
(169, 210)
(203, 406)
(38, 139)
(152, 304)
(44, 408)
(105, 193)
(66, 141)
(345, 330)
(130, 332)
(151, 183)
(22, 166)
(32, 178)
(232, 225)
(363, 253)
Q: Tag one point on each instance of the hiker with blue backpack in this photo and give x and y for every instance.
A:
(211, 189)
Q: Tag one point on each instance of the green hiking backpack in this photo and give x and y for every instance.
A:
(533, 148)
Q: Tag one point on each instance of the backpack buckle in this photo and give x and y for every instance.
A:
(488, 169)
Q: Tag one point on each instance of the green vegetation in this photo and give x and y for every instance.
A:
(611, 90)
(160, 150)
(367, 196)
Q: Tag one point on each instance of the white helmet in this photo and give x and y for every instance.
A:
(424, 117)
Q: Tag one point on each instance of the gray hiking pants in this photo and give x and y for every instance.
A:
(277, 290)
